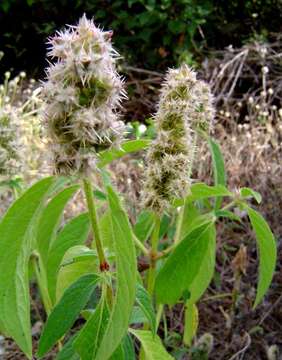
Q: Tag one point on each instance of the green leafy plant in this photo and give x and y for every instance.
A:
(96, 279)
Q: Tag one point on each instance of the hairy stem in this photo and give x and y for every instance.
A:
(153, 255)
(94, 223)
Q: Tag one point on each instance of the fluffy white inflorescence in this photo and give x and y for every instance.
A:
(12, 154)
(185, 107)
(82, 94)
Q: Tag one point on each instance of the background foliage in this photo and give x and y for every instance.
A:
(149, 33)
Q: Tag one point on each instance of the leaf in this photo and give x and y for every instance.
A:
(126, 278)
(71, 270)
(250, 193)
(218, 167)
(151, 345)
(144, 225)
(66, 312)
(218, 163)
(227, 214)
(206, 271)
(50, 219)
(182, 266)
(128, 348)
(267, 252)
(190, 212)
(191, 322)
(144, 301)
(68, 352)
(90, 336)
(16, 229)
(75, 232)
(202, 191)
(137, 316)
(106, 230)
(106, 157)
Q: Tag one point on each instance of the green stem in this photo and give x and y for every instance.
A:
(179, 224)
(153, 254)
(94, 223)
(140, 245)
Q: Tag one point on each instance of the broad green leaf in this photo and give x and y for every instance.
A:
(126, 278)
(151, 345)
(106, 157)
(71, 270)
(190, 212)
(182, 266)
(16, 238)
(267, 252)
(198, 221)
(66, 312)
(68, 352)
(250, 193)
(227, 214)
(144, 301)
(144, 225)
(137, 316)
(128, 348)
(218, 167)
(205, 274)
(106, 230)
(74, 233)
(191, 322)
(202, 191)
(90, 336)
(50, 219)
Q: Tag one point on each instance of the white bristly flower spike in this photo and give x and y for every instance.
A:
(12, 150)
(82, 96)
(185, 107)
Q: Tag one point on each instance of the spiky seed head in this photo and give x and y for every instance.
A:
(185, 107)
(82, 94)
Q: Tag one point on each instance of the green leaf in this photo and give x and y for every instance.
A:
(144, 225)
(71, 270)
(191, 322)
(128, 348)
(106, 230)
(190, 212)
(250, 193)
(137, 316)
(182, 266)
(227, 214)
(144, 301)
(151, 345)
(267, 252)
(17, 230)
(106, 157)
(90, 336)
(202, 191)
(126, 278)
(206, 270)
(68, 352)
(74, 233)
(218, 167)
(66, 312)
(50, 219)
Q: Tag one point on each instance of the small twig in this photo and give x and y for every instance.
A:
(242, 351)
(270, 310)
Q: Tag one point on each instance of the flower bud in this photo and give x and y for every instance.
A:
(184, 108)
(82, 94)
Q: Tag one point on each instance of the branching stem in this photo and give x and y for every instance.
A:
(94, 223)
